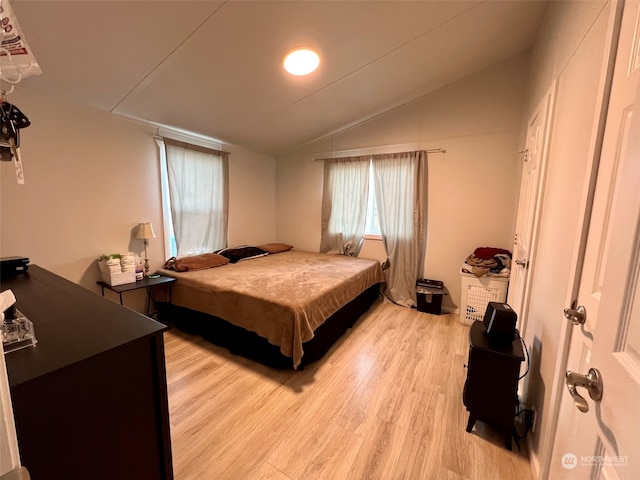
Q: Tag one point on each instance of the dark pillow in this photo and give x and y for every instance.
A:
(275, 247)
(242, 253)
(195, 262)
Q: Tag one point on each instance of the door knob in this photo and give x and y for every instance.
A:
(592, 381)
(577, 316)
(522, 263)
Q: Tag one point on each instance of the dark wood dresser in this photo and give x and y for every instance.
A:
(90, 399)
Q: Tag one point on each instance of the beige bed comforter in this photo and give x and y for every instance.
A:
(282, 297)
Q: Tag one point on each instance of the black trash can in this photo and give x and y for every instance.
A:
(429, 295)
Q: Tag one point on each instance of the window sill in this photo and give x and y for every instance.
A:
(371, 236)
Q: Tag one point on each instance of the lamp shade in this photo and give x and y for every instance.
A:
(145, 230)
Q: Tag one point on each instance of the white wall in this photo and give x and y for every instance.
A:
(471, 188)
(252, 197)
(91, 177)
(569, 49)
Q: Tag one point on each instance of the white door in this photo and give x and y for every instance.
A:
(531, 188)
(604, 442)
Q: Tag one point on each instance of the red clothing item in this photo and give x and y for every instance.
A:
(487, 253)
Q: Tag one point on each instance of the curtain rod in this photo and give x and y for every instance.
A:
(432, 150)
(162, 139)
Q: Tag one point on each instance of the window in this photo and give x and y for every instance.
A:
(195, 198)
(349, 212)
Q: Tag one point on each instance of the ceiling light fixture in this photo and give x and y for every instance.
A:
(301, 61)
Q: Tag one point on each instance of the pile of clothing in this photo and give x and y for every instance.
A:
(488, 261)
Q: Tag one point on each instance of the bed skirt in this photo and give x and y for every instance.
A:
(250, 345)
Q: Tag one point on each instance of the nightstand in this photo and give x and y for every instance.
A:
(491, 390)
(148, 283)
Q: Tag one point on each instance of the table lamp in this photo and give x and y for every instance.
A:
(145, 232)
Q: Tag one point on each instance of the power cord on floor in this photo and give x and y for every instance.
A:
(526, 416)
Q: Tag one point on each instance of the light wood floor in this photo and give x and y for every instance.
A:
(384, 403)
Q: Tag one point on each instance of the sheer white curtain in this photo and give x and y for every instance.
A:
(197, 181)
(400, 186)
(344, 205)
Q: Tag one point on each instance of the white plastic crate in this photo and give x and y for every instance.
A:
(477, 292)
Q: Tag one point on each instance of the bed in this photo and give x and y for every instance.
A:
(293, 304)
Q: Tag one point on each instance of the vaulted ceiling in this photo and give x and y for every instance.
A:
(215, 67)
